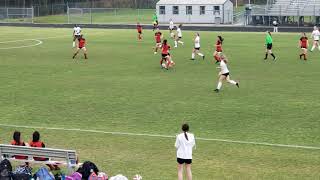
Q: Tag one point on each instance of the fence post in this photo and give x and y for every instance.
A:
(32, 14)
(8, 14)
(68, 14)
(91, 15)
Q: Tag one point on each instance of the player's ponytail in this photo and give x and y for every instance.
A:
(220, 39)
(185, 129)
(165, 42)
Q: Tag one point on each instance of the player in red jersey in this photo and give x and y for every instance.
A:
(81, 46)
(304, 44)
(218, 50)
(158, 37)
(139, 29)
(165, 55)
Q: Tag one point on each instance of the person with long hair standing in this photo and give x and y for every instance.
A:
(269, 46)
(303, 43)
(185, 142)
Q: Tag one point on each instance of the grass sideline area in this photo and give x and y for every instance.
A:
(121, 88)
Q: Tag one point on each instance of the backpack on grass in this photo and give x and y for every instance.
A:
(5, 170)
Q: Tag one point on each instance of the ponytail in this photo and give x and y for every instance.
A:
(185, 129)
(186, 136)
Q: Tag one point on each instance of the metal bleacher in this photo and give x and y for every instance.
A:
(288, 8)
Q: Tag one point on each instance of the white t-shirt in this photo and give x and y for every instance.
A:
(171, 26)
(179, 32)
(197, 42)
(77, 31)
(315, 35)
(224, 69)
(184, 146)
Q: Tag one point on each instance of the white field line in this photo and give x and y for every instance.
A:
(162, 136)
(17, 47)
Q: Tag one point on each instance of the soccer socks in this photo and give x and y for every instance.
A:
(85, 56)
(181, 42)
(219, 85)
(175, 44)
(313, 48)
(200, 54)
(192, 56)
(273, 56)
(266, 56)
(232, 82)
(74, 44)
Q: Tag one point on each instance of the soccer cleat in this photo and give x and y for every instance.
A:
(238, 85)
(155, 53)
(300, 56)
(192, 59)
(203, 57)
(216, 90)
(274, 59)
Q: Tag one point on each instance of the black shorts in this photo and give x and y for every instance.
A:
(171, 29)
(269, 46)
(179, 37)
(184, 161)
(316, 40)
(226, 74)
(164, 56)
(197, 48)
(140, 32)
(303, 47)
(77, 36)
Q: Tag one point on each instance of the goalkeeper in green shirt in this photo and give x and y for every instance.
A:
(269, 46)
(155, 21)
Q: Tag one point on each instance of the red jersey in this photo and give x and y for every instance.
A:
(165, 48)
(219, 46)
(38, 144)
(139, 28)
(158, 37)
(82, 42)
(303, 42)
(13, 142)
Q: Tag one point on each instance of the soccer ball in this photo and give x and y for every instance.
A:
(164, 65)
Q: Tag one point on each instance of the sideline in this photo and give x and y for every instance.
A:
(163, 136)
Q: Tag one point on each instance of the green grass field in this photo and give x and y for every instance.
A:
(121, 88)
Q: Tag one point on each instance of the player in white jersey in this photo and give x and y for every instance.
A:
(179, 36)
(171, 27)
(196, 49)
(315, 35)
(224, 74)
(76, 34)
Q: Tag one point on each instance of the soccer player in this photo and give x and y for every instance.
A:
(139, 29)
(196, 49)
(81, 46)
(275, 25)
(76, 34)
(171, 27)
(155, 21)
(218, 50)
(165, 57)
(158, 36)
(315, 35)
(224, 74)
(269, 46)
(303, 43)
(179, 36)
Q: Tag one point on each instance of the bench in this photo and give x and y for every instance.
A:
(56, 156)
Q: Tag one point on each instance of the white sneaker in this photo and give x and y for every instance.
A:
(155, 53)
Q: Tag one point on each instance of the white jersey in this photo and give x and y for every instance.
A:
(184, 146)
(171, 26)
(223, 68)
(315, 35)
(197, 42)
(179, 32)
(77, 31)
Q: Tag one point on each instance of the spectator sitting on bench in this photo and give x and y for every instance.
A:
(18, 142)
(35, 142)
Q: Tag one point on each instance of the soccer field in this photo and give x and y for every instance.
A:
(77, 104)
